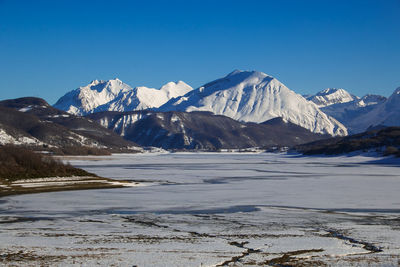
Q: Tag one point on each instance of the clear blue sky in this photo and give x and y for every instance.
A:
(50, 47)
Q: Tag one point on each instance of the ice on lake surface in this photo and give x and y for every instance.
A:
(213, 209)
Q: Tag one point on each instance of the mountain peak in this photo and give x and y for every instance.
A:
(95, 82)
(393, 101)
(329, 91)
(255, 97)
(247, 73)
(175, 89)
(115, 95)
(234, 72)
(174, 85)
(85, 99)
(331, 96)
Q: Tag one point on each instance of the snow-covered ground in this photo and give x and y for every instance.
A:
(213, 209)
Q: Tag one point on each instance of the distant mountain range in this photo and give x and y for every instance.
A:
(331, 96)
(114, 95)
(247, 96)
(242, 109)
(359, 113)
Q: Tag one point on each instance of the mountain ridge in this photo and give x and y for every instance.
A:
(248, 96)
(331, 96)
(385, 113)
(346, 107)
(102, 95)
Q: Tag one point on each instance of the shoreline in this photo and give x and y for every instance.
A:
(57, 184)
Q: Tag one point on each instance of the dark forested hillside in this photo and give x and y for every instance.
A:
(201, 130)
(385, 140)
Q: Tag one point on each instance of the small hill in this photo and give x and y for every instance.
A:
(33, 122)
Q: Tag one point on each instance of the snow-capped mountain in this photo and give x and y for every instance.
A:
(253, 96)
(141, 98)
(85, 99)
(331, 96)
(370, 99)
(344, 106)
(386, 113)
(114, 95)
(348, 112)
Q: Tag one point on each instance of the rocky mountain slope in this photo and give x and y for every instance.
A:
(201, 130)
(253, 96)
(33, 122)
(114, 95)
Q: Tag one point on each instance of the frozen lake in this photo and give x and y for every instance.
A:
(213, 209)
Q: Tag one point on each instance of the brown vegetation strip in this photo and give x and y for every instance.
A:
(97, 183)
(19, 163)
(287, 258)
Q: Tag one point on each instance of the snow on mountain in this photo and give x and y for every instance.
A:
(386, 113)
(85, 99)
(6, 139)
(373, 99)
(345, 107)
(141, 98)
(256, 97)
(175, 89)
(331, 96)
(114, 95)
(348, 112)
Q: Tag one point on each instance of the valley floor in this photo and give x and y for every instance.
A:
(212, 209)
